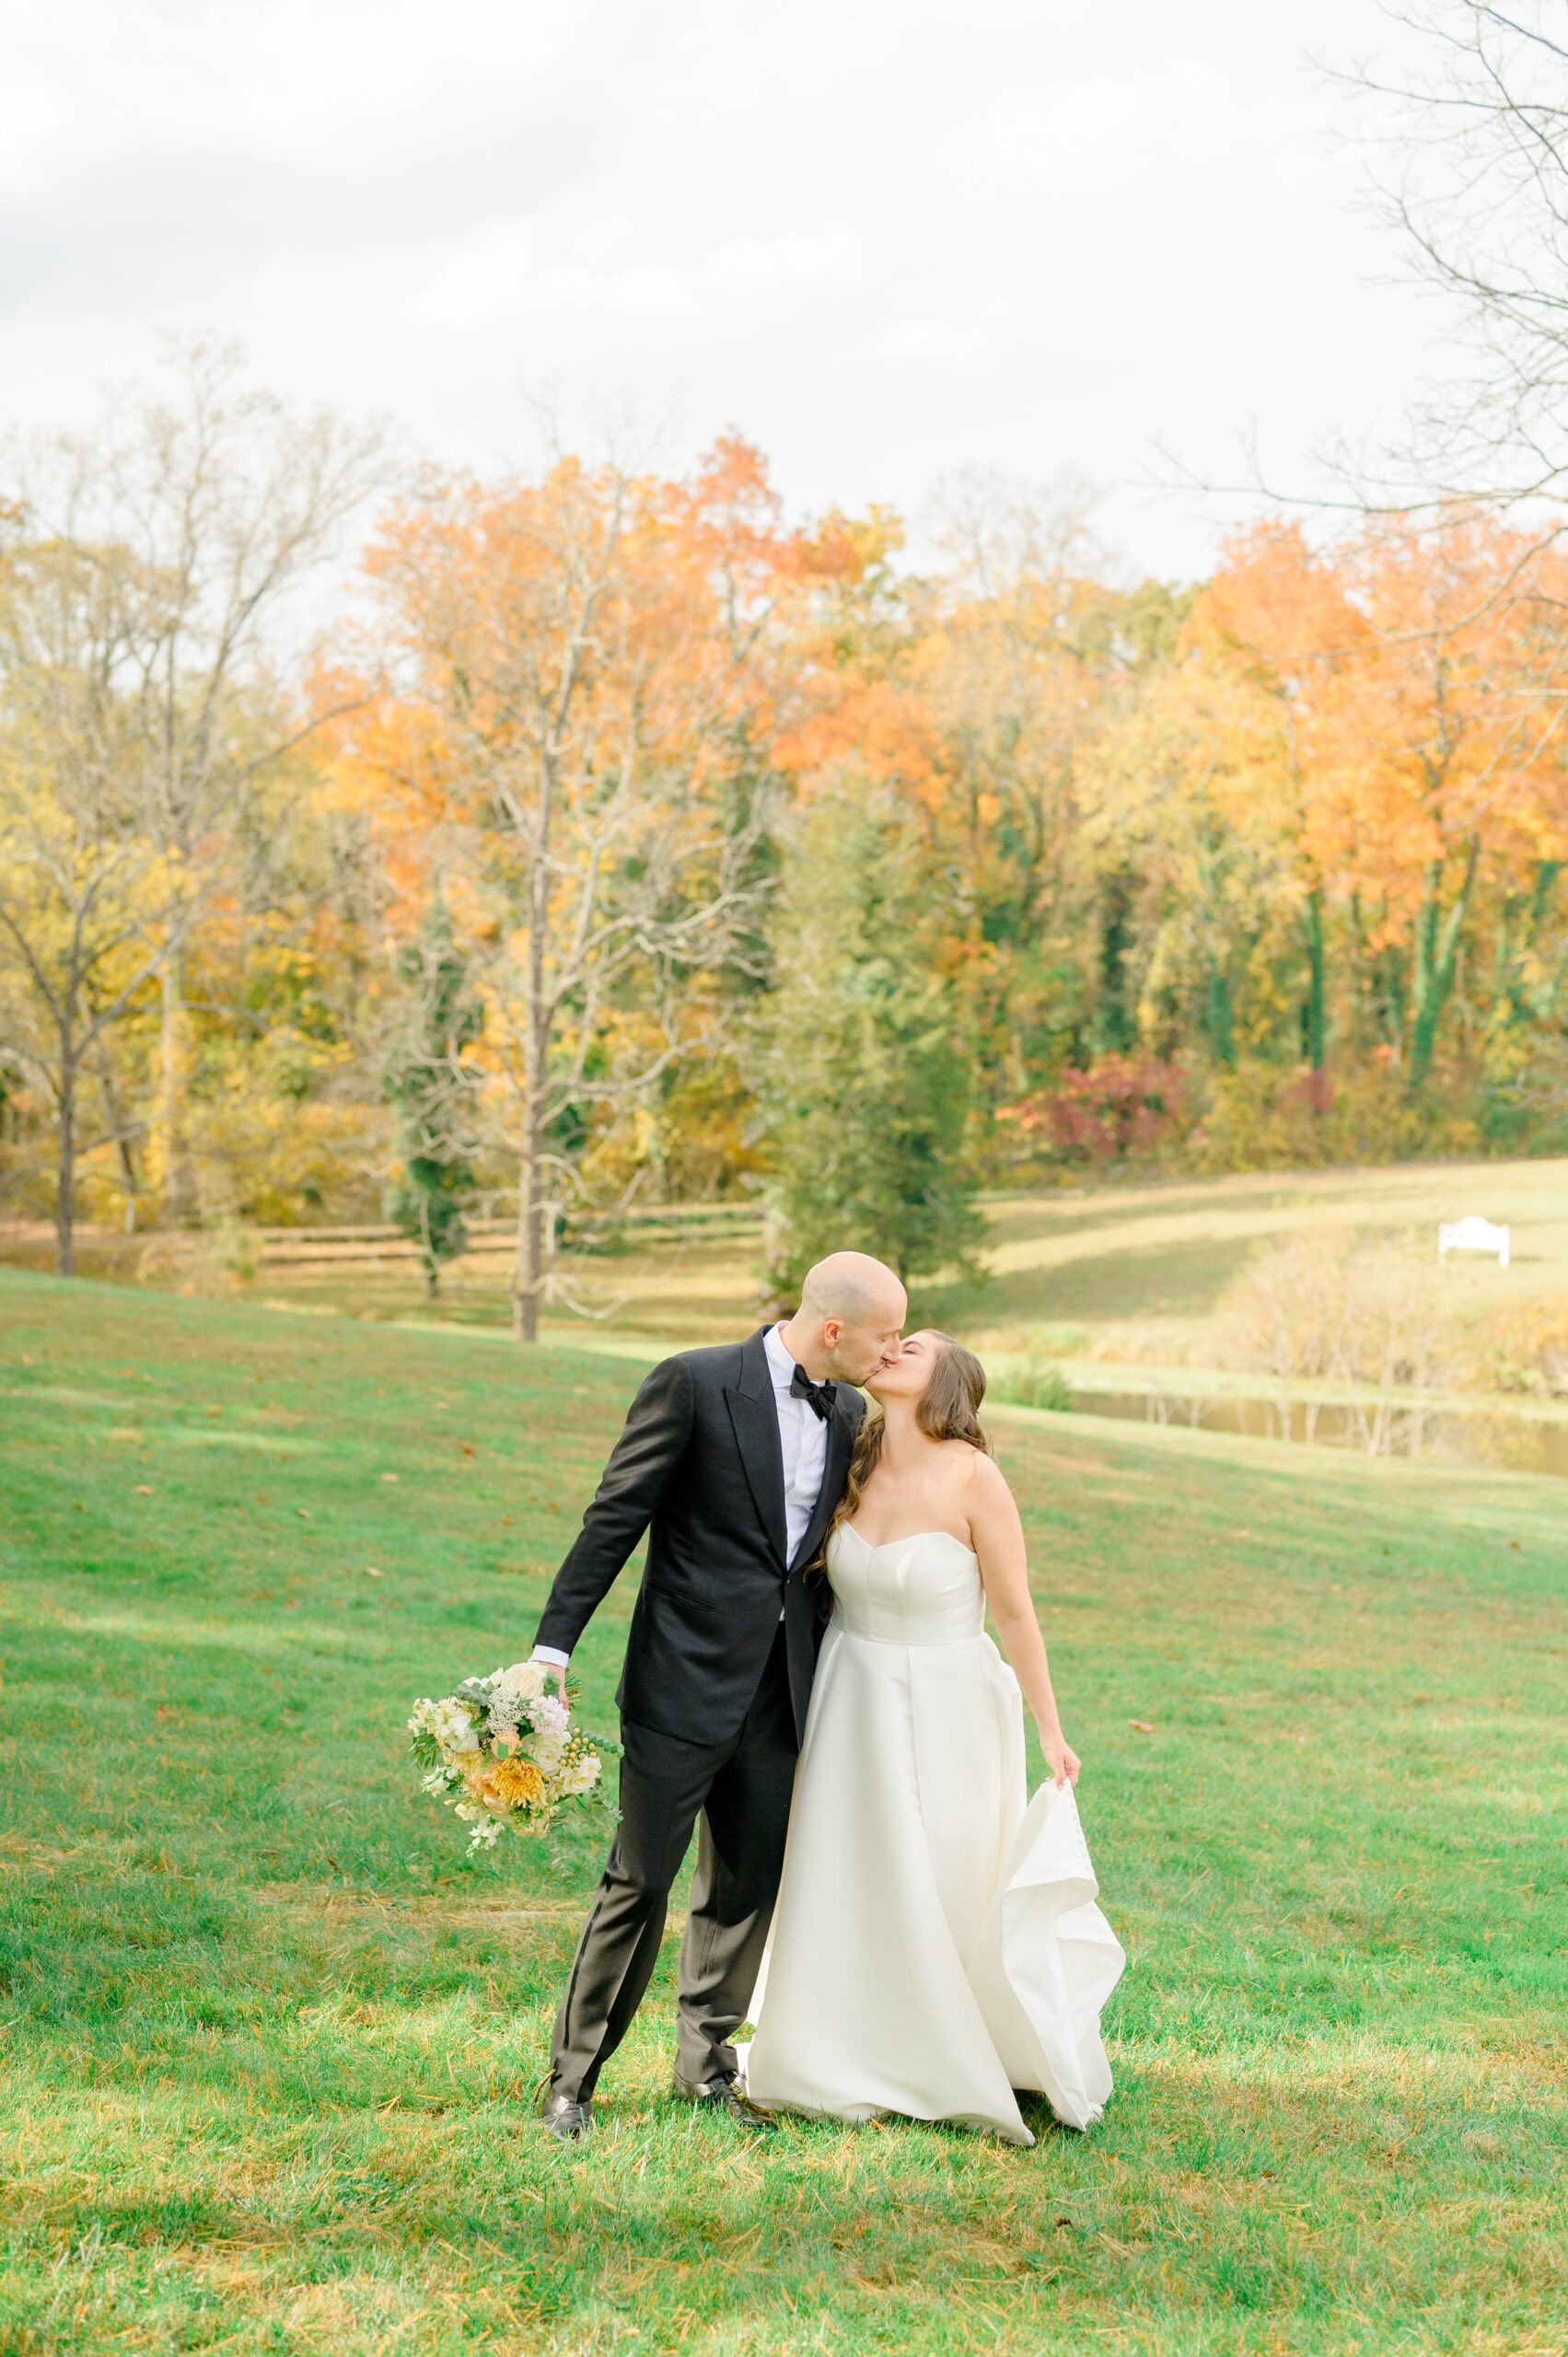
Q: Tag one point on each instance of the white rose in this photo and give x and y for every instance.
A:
(452, 1725)
(522, 1682)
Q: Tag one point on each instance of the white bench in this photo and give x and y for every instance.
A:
(1473, 1235)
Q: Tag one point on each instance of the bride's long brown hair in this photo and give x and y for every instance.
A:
(948, 1408)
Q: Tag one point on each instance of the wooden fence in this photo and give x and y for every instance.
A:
(373, 1245)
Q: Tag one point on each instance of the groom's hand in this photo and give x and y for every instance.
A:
(553, 1666)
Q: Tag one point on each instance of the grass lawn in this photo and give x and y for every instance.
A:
(271, 2045)
(1131, 1267)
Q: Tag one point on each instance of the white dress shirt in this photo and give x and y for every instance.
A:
(803, 1438)
(803, 1444)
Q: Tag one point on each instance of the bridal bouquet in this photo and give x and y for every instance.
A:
(500, 1751)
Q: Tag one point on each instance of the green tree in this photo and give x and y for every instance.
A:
(433, 1090)
(862, 1079)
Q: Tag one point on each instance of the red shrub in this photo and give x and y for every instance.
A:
(1123, 1108)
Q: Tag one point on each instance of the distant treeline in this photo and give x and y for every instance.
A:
(637, 843)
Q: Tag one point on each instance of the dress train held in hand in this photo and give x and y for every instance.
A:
(937, 1941)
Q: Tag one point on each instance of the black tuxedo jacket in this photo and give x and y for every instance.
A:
(698, 1466)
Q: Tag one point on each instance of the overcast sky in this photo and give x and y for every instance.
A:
(886, 238)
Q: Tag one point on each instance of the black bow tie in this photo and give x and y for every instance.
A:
(820, 1395)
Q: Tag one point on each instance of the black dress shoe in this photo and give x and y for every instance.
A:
(564, 2118)
(724, 2093)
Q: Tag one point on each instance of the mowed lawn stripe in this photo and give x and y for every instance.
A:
(271, 2045)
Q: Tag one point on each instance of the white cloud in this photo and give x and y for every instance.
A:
(753, 268)
(1080, 138)
(886, 240)
(508, 272)
(944, 338)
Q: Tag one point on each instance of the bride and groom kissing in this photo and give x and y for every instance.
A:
(808, 1683)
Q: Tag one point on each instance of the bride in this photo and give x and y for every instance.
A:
(936, 1945)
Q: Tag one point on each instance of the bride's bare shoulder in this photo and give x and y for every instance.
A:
(960, 1458)
(986, 1484)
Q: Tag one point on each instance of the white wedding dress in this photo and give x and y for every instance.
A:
(936, 1942)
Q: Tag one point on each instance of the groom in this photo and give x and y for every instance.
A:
(732, 1460)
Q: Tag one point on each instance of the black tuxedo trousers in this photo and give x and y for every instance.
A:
(719, 1662)
(739, 1790)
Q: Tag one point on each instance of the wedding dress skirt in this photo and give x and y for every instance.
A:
(936, 1942)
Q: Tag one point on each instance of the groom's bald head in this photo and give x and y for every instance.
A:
(851, 1287)
(852, 1313)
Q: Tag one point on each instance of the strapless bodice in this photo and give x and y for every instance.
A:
(923, 1590)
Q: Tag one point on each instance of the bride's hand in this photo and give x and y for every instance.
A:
(1061, 1758)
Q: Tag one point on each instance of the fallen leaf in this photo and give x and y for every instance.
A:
(467, 1451)
(373, 1572)
(303, 1512)
(389, 1477)
(141, 1489)
(1144, 1726)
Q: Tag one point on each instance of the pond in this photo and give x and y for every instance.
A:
(1487, 1436)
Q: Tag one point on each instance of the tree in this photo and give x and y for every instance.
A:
(1279, 619)
(1181, 798)
(581, 717)
(218, 503)
(859, 1064)
(1445, 768)
(87, 910)
(1014, 669)
(1480, 124)
(1404, 688)
(433, 1090)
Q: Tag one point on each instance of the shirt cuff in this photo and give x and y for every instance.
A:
(548, 1655)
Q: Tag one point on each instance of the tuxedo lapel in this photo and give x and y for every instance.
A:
(756, 1422)
(841, 1441)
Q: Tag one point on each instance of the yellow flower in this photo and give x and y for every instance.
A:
(516, 1781)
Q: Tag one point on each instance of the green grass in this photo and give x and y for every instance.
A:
(1135, 1266)
(270, 2047)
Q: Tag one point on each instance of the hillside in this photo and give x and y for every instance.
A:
(272, 2045)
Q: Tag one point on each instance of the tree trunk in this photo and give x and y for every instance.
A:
(1436, 957)
(527, 1283)
(1314, 1013)
(1547, 872)
(179, 1179)
(120, 1130)
(1115, 1030)
(1217, 1016)
(528, 1269)
(65, 1179)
